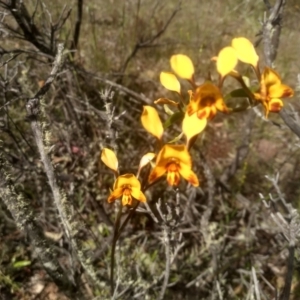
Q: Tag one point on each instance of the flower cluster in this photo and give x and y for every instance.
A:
(195, 109)
(206, 99)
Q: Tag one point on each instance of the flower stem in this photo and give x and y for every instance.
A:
(113, 248)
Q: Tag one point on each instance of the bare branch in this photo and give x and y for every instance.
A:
(77, 26)
(22, 212)
(64, 207)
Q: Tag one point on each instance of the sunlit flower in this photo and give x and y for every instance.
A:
(174, 160)
(271, 90)
(205, 101)
(127, 187)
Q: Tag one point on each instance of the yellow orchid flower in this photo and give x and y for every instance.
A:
(128, 187)
(174, 160)
(205, 101)
(271, 90)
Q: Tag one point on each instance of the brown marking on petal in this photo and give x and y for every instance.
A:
(152, 177)
(190, 110)
(202, 114)
(173, 176)
(275, 107)
(287, 93)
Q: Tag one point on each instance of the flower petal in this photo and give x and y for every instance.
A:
(274, 87)
(157, 172)
(109, 158)
(188, 175)
(127, 179)
(126, 200)
(245, 51)
(151, 121)
(138, 195)
(270, 77)
(227, 60)
(192, 125)
(177, 152)
(169, 81)
(275, 105)
(116, 193)
(145, 160)
(221, 106)
(182, 66)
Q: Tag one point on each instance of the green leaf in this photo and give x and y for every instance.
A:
(22, 263)
(176, 139)
(238, 93)
(175, 118)
(168, 110)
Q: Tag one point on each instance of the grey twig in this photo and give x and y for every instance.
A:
(25, 219)
(291, 231)
(63, 206)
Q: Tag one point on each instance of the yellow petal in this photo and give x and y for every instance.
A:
(192, 125)
(166, 101)
(169, 81)
(221, 106)
(270, 77)
(206, 113)
(245, 51)
(127, 180)
(182, 66)
(138, 195)
(145, 160)
(157, 172)
(116, 193)
(126, 200)
(151, 122)
(109, 158)
(189, 175)
(274, 87)
(177, 152)
(227, 60)
(275, 105)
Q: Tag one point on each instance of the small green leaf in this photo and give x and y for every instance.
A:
(176, 117)
(168, 110)
(176, 139)
(238, 93)
(21, 264)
